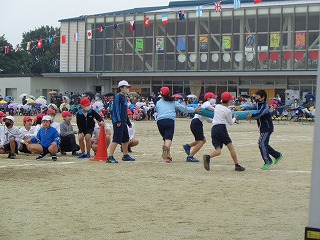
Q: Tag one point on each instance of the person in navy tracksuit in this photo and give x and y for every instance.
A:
(265, 125)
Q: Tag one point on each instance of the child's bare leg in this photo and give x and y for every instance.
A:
(168, 143)
(88, 142)
(53, 149)
(232, 153)
(197, 147)
(216, 152)
(81, 142)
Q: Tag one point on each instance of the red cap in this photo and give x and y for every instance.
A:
(209, 95)
(40, 115)
(164, 91)
(2, 114)
(26, 118)
(66, 114)
(51, 111)
(85, 102)
(226, 96)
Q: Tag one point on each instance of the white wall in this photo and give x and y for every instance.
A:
(22, 84)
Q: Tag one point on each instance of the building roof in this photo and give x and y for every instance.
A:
(188, 5)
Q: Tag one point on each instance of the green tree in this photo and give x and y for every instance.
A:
(14, 61)
(45, 59)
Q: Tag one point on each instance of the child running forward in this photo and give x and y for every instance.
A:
(219, 133)
(196, 127)
(166, 109)
(265, 125)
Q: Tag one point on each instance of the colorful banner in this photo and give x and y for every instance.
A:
(250, 40)
(181, 46)
(160, 44)
(203, 43)
(139, 45)
(226, 42)
(275, 40)
(300, 39)
(119, 44)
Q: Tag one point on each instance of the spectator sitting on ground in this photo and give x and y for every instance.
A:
(9, 138)
(132, 141)
(52, 114)
(27, 132)
(96, 134)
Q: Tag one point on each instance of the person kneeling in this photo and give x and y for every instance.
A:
(46, 141)
(95, 138)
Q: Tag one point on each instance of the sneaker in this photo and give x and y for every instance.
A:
(82, 155)
(87, 155)
(187, 148)
(239, 168)
(206, 162)
(192, 159)
(266, 166)
(111, 160)
(168, 160)
(164, 152)
(277, 160)
(12, 156)
(128, 158)
(54, 158)
(41, 156)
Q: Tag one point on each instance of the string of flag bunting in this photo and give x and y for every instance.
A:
(132, 25)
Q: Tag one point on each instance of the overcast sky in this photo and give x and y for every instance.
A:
(18, 16)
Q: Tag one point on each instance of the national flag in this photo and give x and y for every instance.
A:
(218, 7)
(6, 49)
(181, 15)
(63, 39)
(39, 45)
(89, 34)
(132, 25)
(199, 11)
(16, 49)
(165, 19)
(28, 47)
(237, 4)
(75, 37)
(147, 22)
(50, 39)
(257, 1)
(100, 29)
(115, 26)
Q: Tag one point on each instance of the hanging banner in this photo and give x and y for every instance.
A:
(181, 46)
(275, 40)
(250, 40)
(203, 43)
(139, 45)
(159, 44)
(118, 48)
(300, 39)
(226, 42)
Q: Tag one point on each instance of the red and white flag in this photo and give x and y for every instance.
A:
(257, 1)
(39, 45)
(100, 29)
(75, 37)
(147, 22)
(218, 7)
(63, 39)
(6, 49)
(132, 26)
(89, 34)
(165, 19)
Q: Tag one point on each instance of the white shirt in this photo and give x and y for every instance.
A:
(96, 131)
(131, 131)
(27, 135)
(207, 106)
(7, 133)
(56, 126)
(222, 115)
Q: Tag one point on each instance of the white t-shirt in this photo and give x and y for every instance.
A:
(131, 131)
(27, 134)
(207, 106)
(56, 126)
(222, 115)
(96, 131)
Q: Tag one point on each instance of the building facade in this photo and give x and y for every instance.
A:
(273, 45)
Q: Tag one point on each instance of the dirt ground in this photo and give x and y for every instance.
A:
(150, 199)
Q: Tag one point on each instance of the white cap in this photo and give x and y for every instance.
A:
(10, 118)
(46, 118)
(123, 83)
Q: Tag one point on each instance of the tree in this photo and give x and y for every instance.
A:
(44, 59)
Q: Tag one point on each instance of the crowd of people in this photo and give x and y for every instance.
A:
(43, 135)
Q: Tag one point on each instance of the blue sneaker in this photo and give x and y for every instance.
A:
(87, 155)
(82, 155)
(128, 158)
(111, 160)
(191, 159)
(187, 149)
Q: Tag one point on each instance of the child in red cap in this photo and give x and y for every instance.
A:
(67, 135)
(219, 133)
(27, 132)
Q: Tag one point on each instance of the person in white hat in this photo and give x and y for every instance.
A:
(9, 138)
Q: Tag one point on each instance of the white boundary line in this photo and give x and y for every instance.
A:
(37, 164)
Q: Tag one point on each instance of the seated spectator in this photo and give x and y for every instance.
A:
(52, 114)
(132, 141)
(68, 138)
(9, 138)
(26, 133)
(96, 133)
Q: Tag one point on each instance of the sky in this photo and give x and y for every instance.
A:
(18, 16)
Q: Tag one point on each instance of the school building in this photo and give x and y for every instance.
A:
(193, 47)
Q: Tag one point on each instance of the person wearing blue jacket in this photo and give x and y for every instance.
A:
(265, 125)
(46, 141)
(120, 121)
(166, 109)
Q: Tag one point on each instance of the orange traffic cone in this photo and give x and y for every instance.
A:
(102, 154)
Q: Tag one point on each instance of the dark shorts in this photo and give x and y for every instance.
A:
(23, 148)
(166, 128)
(88, 131)
(7, 148)
(120, 134)
(220, 135)
(196, 127)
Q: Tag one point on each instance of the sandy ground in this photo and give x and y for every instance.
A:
(150, 199)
